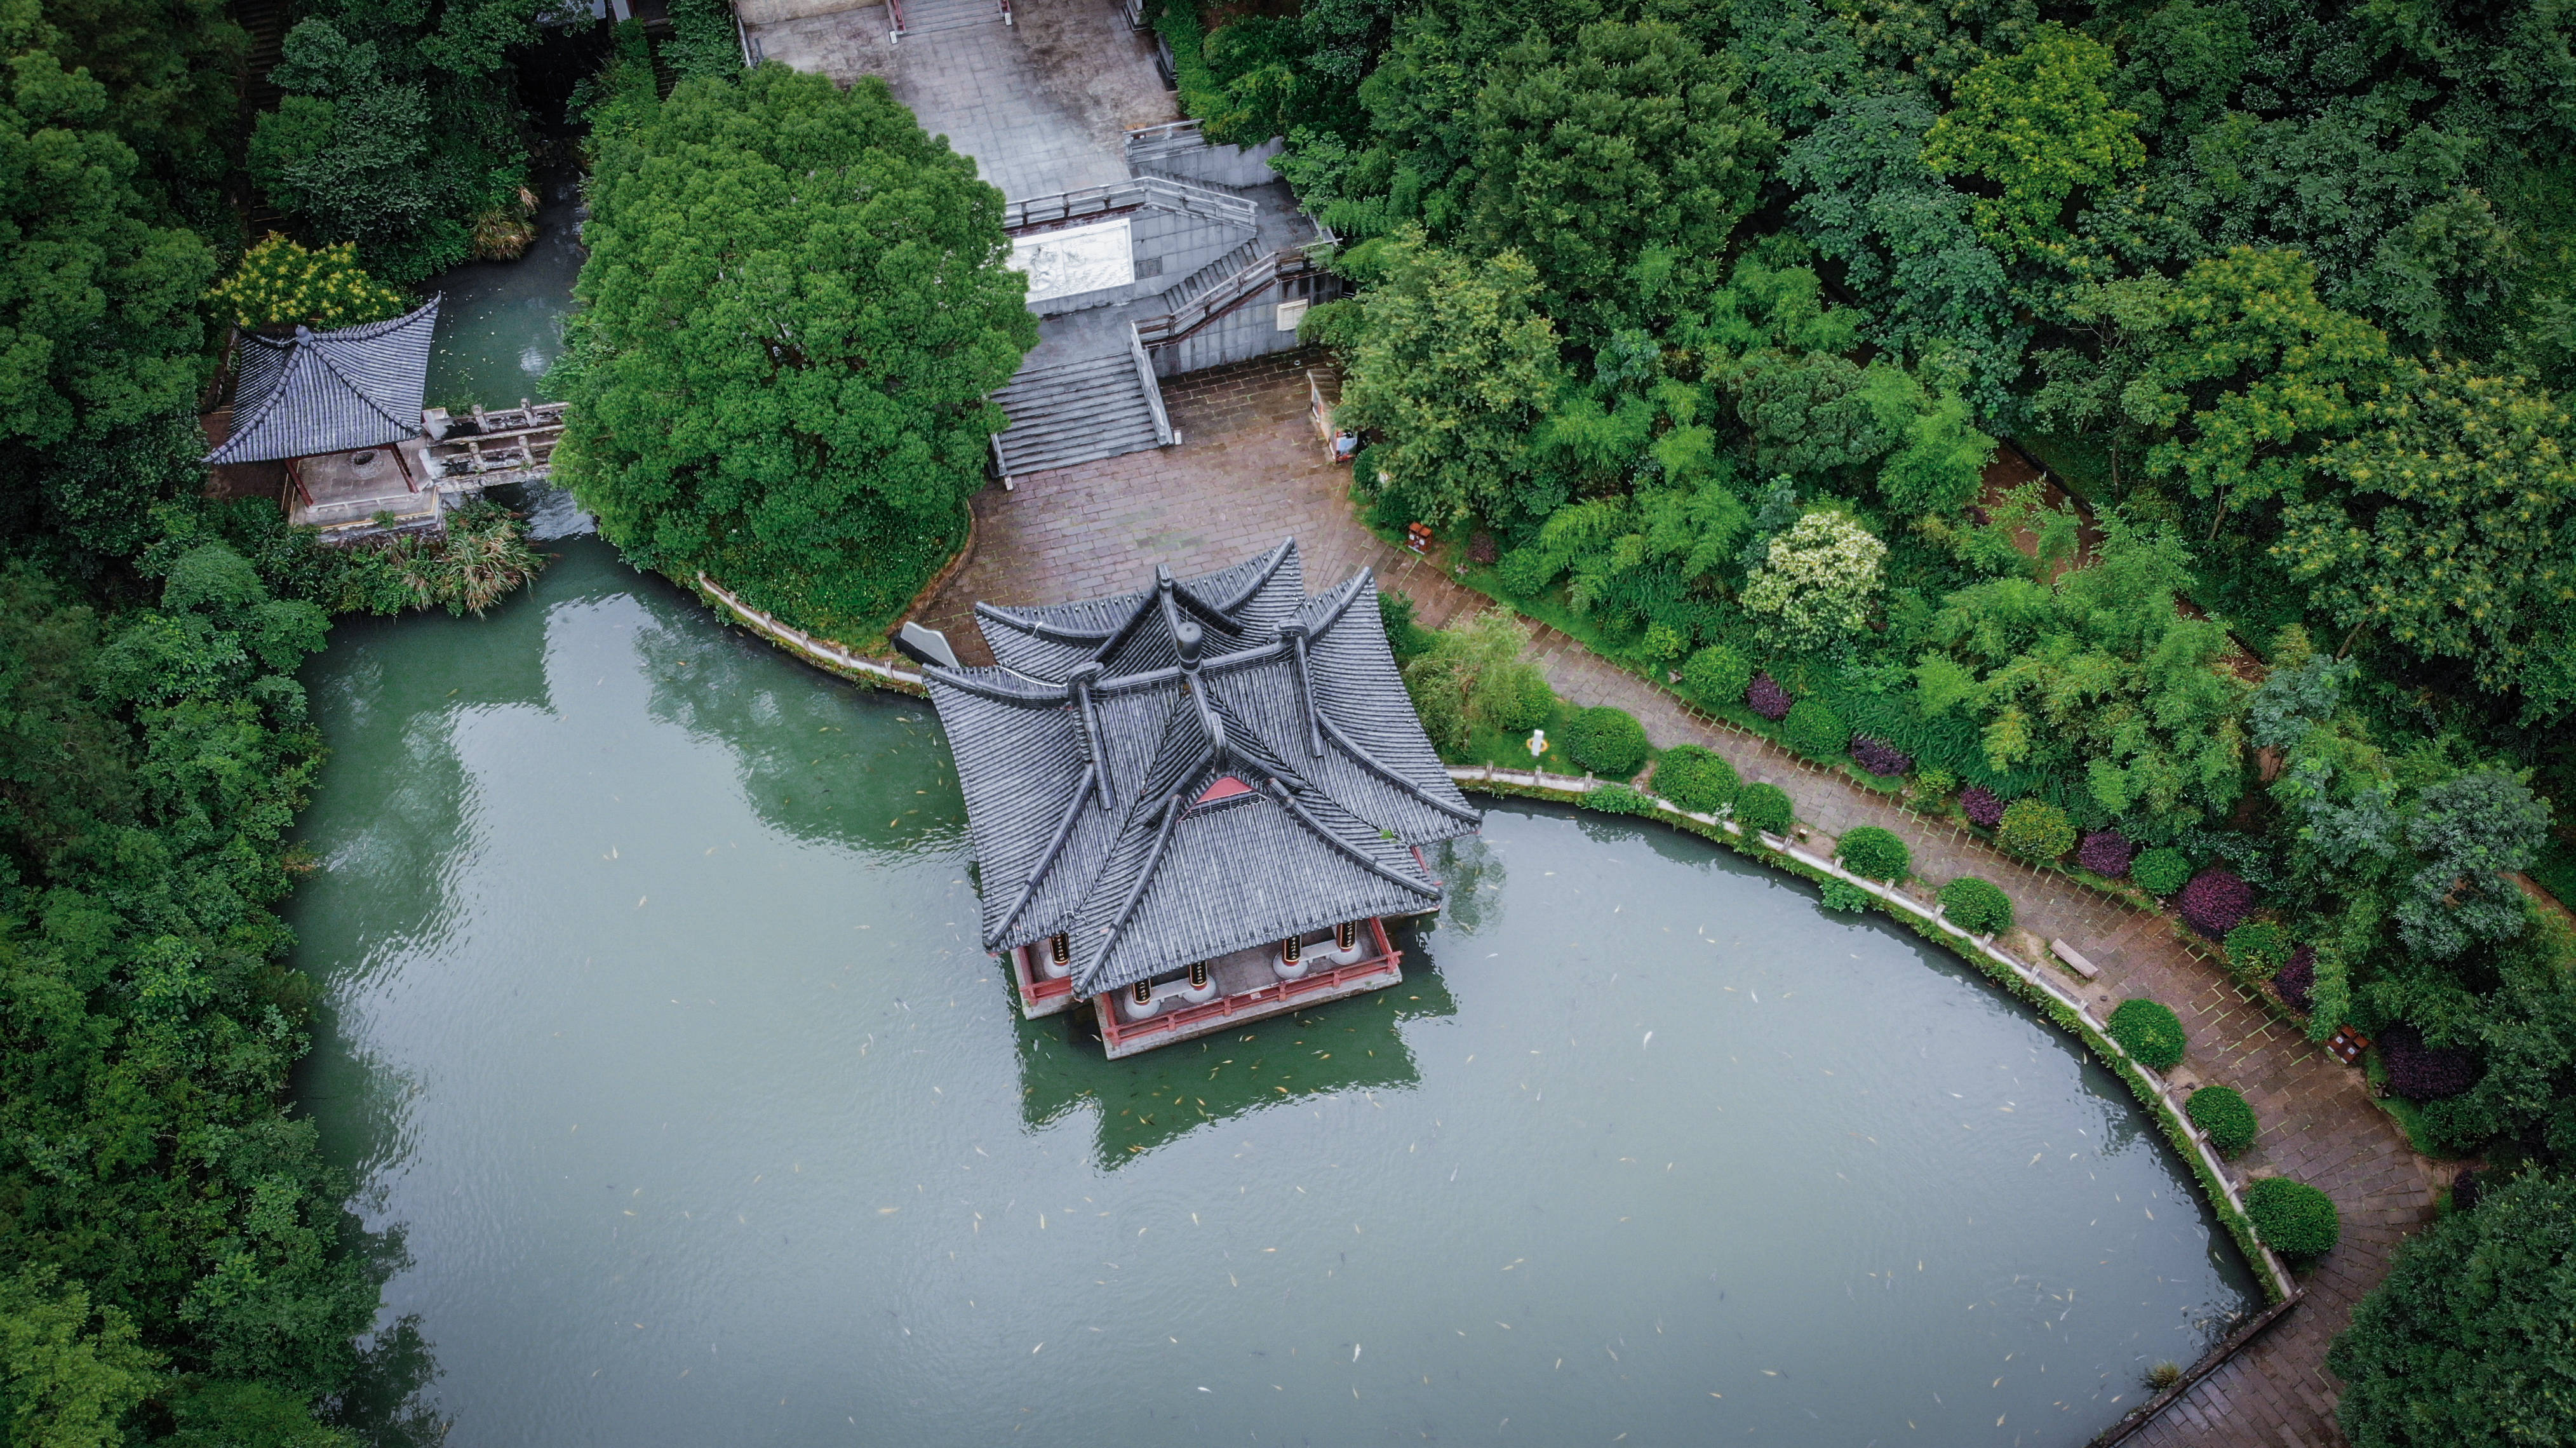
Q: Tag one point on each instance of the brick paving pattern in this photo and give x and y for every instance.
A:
(1252, 471)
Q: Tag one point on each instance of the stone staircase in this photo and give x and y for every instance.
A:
(1077, 412)
(1208, 278)
(928, 17)
(1161, 173)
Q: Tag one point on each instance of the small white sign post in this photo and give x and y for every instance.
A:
(1538, 751)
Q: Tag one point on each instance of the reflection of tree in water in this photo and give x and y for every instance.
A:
(820, 759)
(388, 1406)
(1472, 874)
(1148, 1101)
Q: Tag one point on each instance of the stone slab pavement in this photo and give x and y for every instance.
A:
(1042, 104)
(1251, 471)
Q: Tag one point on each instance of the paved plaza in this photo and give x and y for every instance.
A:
(1251, 472)
(1043, 104)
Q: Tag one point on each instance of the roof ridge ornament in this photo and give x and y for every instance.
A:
(1078, 684)
(1192, 643)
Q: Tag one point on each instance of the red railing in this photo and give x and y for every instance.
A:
(1035, 984)
(1263, 1000)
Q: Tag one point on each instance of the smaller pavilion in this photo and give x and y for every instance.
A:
(1197, 804)
(342, 410)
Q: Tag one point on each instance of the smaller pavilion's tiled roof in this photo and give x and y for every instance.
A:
(328, 392)
(1170, 775)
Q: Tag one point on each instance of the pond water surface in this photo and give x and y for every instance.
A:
(501, 324)
(658, 1031)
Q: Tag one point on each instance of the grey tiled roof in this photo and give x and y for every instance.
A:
(1085, 752)
(327, 392)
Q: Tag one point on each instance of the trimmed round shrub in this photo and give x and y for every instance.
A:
(1716, 676)
(2106, 853)
(2296, 980)
(1764, 807)
(2256, 950)
(1880, 757)
(1620, 799)
(1983, 807)
(1696, 779)
(2160, 871)
(2148, 1030)
(1816, 731)
(2035, 830)
(1765, 697)
(1522, 699)
(2215, 902)
(1874, 854)
(1608, 741)
(1932, 787)
(1979, 907)
(2224, 1116)
(2293, 1218)
(2420, 1072)
(1844, 895)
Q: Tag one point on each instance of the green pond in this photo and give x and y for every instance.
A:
(501, 324)
(687, 1110)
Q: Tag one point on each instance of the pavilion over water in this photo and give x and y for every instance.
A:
(342, 410)
(1196, 804)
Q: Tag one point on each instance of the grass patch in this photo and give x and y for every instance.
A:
(1511, 750)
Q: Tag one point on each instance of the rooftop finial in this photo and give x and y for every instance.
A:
(1189, 637)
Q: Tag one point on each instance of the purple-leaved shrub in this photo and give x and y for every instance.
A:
(1983, 807)
(2298, 978)
(1880, 757)
(1765, 697)
(2420, 1072)
(2106, 853)
(2215, 902)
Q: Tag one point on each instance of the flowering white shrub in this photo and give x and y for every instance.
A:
(1817, 583)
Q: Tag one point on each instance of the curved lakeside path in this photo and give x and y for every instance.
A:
(1252, 471)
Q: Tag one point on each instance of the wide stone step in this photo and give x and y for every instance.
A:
(1075, 412)
(928, 17)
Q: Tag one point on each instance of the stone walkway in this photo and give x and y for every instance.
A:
(1252, 471)
(1042, 105)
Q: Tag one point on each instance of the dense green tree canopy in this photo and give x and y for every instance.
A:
(2100, 671)
(1631, 143)
(99, 325)
(2249, 375)
(2447, 519)
(2039, 125)
(168, 67)
(2470, 1342)
(1453, 361)
(400, 129)
(796, 302)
